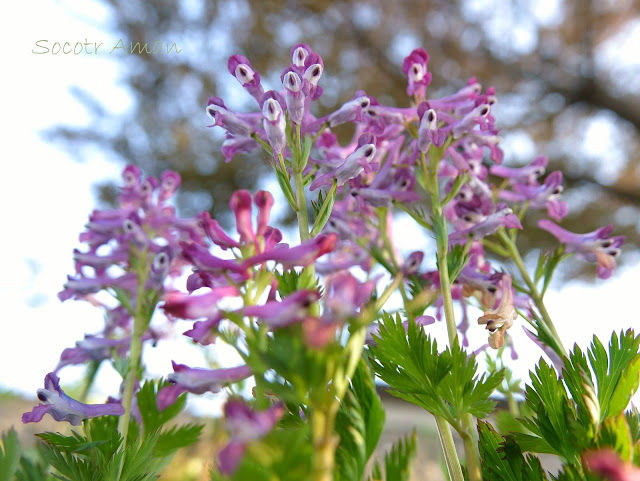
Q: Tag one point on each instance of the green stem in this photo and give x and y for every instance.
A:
(514, 409)
(324, 443)
(449, 449)
(135, 354)
(472, 455)
(442, 245)
(535, 295)
(303, 216)
(266, 146)
(322, 129)
(284, 172)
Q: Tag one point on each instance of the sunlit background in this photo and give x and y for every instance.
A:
(566, 73)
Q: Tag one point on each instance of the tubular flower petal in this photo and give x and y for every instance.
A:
(241, 69)
(596, 246)
(198, 381)
(415, 68)
(63, 408)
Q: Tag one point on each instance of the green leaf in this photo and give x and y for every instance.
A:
(553, 259)
(323, 211)
(9, 454)
(285, 187)
(617, 435)
(577, 377)
(292, 281)
(307, 142)
(152, 418)
(633, 420)
(359, 424)
(123, 298)
(458, 182)
(33, 470)
(457, 258)
(398, 461)
(542, 260)
(618, 374)
(176, 437)
(445, 384)
(416, 213)
(555, 416)
(502, 458)
(534, 444)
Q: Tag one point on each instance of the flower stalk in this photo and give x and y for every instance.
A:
(140, 324)
(442, 248)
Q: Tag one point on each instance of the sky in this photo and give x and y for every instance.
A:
(47, 196)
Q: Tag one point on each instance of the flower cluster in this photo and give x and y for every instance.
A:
(296, 332)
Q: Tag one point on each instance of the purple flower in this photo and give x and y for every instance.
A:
(274, 121)
(350, 111)
(547, 194)
(415, 68)
(299, 54)
(186, 306)
(79, 287)
(170, 182)
(203, 260)
(521, 175)
(355, 163)
(313, 69)
(241, 69)
(346, 295)
(596, 246)
(264, 202)
(215, 232)
(302, 255)
(93, 348)
(487, 225)
(428, 131)
(245, 425)
(113, 236)
(218, 113)
(198, 381)
(63, 408)
(237, 145)
(293, 308)
(411, 265)
(470, 120)
(205, 332)
(293, 95)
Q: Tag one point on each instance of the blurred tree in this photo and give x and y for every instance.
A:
(565, 72)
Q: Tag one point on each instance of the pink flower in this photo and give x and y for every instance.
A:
(607, 463)
(415, 68)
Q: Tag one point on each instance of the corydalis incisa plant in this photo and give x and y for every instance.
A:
(315, 413)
